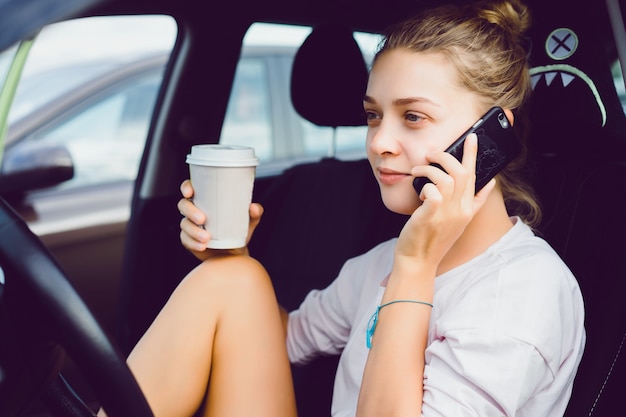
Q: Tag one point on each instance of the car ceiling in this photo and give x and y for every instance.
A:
(20, 18)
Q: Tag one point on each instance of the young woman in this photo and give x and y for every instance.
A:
(466, 313)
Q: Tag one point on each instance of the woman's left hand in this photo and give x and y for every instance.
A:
(448, 206)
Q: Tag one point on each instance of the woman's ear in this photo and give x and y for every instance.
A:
(509, 115)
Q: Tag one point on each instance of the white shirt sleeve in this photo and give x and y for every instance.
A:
(324, 322)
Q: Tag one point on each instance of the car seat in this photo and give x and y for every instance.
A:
(578, 142)
(318, 215)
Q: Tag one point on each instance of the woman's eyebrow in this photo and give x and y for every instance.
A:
(403, 101)
(410, 100)
(368, 99)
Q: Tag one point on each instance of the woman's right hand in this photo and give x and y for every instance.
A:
(195, 238)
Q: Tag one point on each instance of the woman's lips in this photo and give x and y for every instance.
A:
(390, 177)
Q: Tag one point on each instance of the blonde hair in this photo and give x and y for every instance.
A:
(485, 41)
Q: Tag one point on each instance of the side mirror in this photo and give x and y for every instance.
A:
(32, 167)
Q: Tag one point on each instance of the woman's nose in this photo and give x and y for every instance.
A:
(382, 140)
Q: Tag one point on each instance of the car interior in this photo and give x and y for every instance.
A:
(317, 214)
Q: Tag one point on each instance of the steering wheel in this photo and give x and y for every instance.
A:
(41, 315)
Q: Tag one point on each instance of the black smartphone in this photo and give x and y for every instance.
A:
(497, 146)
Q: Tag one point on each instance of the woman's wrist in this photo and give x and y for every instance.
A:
(410, 280)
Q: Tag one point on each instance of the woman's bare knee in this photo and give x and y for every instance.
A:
(230, 276)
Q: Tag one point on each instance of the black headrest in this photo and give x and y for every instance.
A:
(329, 78)
(573, 94)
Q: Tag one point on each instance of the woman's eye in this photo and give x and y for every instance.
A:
(413, 118)
(371, 116)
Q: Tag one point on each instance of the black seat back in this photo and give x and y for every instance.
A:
(578, 144)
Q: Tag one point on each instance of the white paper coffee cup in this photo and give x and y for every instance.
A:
(222, 177)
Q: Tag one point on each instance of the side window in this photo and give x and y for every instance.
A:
(5, 61)
(248, 118)
(90, 85)
(105, 137)
(260, 112)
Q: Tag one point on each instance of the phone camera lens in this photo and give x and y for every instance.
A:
(504, 122)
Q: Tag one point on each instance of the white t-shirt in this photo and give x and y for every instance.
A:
(506, 331)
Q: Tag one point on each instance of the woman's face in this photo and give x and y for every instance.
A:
(415, 104)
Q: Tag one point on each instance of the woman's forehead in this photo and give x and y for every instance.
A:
(402, 73)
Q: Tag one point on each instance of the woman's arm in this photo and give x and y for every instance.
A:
(393, 378)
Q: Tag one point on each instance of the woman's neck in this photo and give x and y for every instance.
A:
(487, 227)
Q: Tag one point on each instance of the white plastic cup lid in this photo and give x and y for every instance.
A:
(222, 156)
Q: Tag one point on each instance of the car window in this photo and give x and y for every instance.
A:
(260, 113)
(11, 69)
(6, 58)
(248, 115)
(41, 88)
(91, 85)
(106, 137)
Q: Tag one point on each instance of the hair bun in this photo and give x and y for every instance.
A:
(510, 15)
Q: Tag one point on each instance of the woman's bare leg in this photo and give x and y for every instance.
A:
(220, 335)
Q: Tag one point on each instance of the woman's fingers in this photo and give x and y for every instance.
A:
(470, 153)
(186, 189)
(192, 236)
(191, 212)
(186, 206)
(470, 150)
(256, 211)
(452, 176)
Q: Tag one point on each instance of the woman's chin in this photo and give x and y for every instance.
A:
(401, 204)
